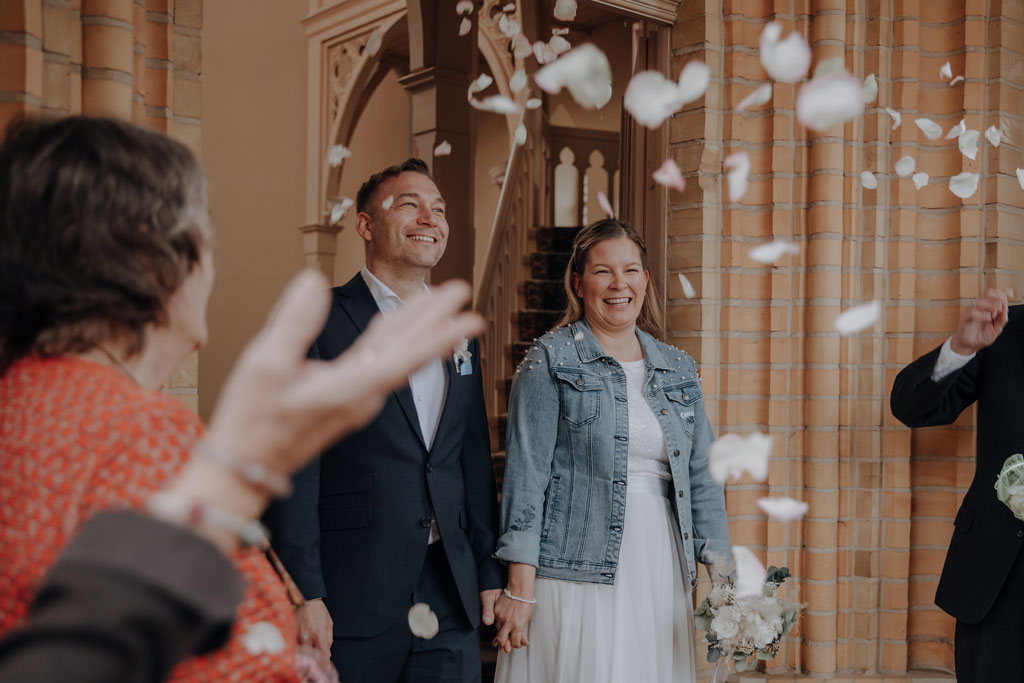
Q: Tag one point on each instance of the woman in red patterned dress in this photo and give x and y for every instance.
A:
(106, 266)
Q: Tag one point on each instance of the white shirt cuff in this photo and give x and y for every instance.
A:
(949, 361)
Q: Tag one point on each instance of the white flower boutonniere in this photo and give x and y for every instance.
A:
(462, 357)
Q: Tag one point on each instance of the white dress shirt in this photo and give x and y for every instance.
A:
(429, 384)
(949, 361)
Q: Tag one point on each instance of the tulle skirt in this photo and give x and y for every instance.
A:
(640, 629)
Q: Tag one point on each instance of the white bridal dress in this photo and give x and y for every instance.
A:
(640, 629)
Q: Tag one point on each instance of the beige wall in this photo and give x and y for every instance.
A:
(254, 118)
(492, 149)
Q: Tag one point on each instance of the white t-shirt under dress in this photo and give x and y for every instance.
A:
(641, 627)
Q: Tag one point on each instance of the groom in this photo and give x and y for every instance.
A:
(982, 582)
(403, 511)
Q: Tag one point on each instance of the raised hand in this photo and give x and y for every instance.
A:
(981, 323)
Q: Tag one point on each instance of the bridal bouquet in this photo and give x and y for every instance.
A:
(1010, 485)
(741, 628)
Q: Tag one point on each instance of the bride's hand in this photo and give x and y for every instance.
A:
(512, 617)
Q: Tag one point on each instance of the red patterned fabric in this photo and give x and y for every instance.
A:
(78, 437)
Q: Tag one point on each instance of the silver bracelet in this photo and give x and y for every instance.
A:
(509, 595)
(180, 510)
(277, 485)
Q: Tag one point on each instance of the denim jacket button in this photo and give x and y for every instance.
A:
(676, 452)
(664, 411)
(579, 381)
(686, 536)
(681, 494)
(616, 528)
(608, 576)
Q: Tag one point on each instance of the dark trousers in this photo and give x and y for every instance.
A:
(992, 650)
(452, 656)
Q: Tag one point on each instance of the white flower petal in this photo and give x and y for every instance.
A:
(520, 134)
(786, 60)
(534, 103)
(956, 80)
(465, 27)
(946, 71)
(858, 318)
(759, 96)
(521, 47)
(651, 98)
(920, 179)
(518, 81)
(482, 82)
(829, 101)
(783, 509)
(499, 104)
(388, 201)
(565, 10)
(770, 252)
(693, 81)
(956, 130)
(868, 180)
(374, 42)
(968, 143)
(739, 165)
(464, 7)
(729, 456)
(578, 336)
(606, 206)
(559, 45)
(337, 155)
(544, 53)
(263, 637)
(870, 88)
(993, 135)
(963, 185)
(564, 31)
(931, 130)
(897, 118)
(509, 27)
(905, 166)
(668, 174)
(443, 149)
(750, 573)
(422, 621)
(831, 65)
(510, 7)
(688, 291)
(585, 71)
(338, 209)
(1020, 177)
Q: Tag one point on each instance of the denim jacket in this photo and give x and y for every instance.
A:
(564, 495)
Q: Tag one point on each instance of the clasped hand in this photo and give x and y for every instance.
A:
(981, 323)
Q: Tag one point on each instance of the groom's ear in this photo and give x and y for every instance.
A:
(364, 226)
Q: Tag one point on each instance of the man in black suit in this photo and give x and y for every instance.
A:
(982, 582)
(404, 511)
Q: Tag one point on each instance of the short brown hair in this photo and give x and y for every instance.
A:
(650, 319)
(370, 186)
(100, 224)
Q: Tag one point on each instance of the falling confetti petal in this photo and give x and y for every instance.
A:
(946, 71)
(761, 95)
(651, 98)
(829, 101)
(689, 292)
(693, 81)
(956, 130)
(993, 136)
(578, 336)
(668, 174)
(544, 53)
(963, 185)
(509, 27)
(730, 456)
(337, 155)
(482, 82)
(263, 637)
(518, 81)
(388, 201)
(564, 31)
(783, 509)
(968, 143)
(786, 60)
(464, 7)
(534, 103)
(831, 65)
(443, 150)
(520, 134)
(521, 47)
(920, 179)
(374, 42)
(565, 10)
(339, 208)
(897, 118)
(870, 88)
(422, 621)
(499, 104)
(606, 206)
(750, 573)
(1020, 177)
(559, 45)
(770, 252)
(858, 318)
(931, 130)
(739, 165)
(465, 27)
(510, 7)
(956, 80)
(868, 180)
(905, 166)
(585, 71)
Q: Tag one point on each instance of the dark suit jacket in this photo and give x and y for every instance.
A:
(986, 535)
(355, 531)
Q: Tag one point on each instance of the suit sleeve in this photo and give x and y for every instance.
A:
(481, 493)
(918, 401)
(294, 526)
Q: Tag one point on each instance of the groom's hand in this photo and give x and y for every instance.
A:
(487, 600)
(316, 628)
(982, 322)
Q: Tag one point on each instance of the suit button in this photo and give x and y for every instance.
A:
(425, 522)
(1020, 534)
(676, 452)
(430, 468)
(664, 411)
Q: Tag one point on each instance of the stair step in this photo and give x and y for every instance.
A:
(556, 239)
(544, 294)
(519, 349)
(533, 324)
(548, 266)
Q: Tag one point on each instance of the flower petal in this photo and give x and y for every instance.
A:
(388, 201)
(968, 143)
(956, 80)
(521, 47)
(1020, 177)
(338, 209)
(759, 96)
(518, 81)
(510, 7)
(520, 134)
(897, 118)
(729, 456)
(482, 82)
(464, 7)
(465, 27)
(905, 166)
(693, 81)
(544, 53)
(750, 573)
(534, 103)
(770, 252)
(606, 206)
(963, 185)
(559, 45)
(668, 174)
(946, 71)
(829, 101)
(783, 509)
(956, 130)
(422, 621)
(585, 71)
(565, 10)
(510, 27)
(920, 179)
(858, 318)
(829, 65)
(993, 135)
(337, 155)
(374, 42)
(868, 180)
(739, 165)
(870, 88)
(689, 292)
(786, 60)
(931, 130)
(651, 98)
(263, 637)
(443, 149)
(499, 104)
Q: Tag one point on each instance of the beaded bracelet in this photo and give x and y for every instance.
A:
(180, 510)
(509, 595)
(277, 485)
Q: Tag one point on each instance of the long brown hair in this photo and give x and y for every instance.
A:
(650, 318)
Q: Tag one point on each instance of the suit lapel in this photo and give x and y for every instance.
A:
(450, 400)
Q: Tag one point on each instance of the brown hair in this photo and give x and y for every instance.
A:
(370, 186)
(650, 319)
(100, 224)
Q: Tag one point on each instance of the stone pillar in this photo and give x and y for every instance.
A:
(108, 57)
(319, 244)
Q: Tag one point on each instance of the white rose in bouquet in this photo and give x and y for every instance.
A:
(726, 623)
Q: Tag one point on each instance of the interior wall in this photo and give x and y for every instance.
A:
(492, 150)
(254, 141)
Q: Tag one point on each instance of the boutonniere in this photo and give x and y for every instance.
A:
(462, 357)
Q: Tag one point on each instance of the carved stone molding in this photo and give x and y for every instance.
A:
(319, 244)
(661, 11)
